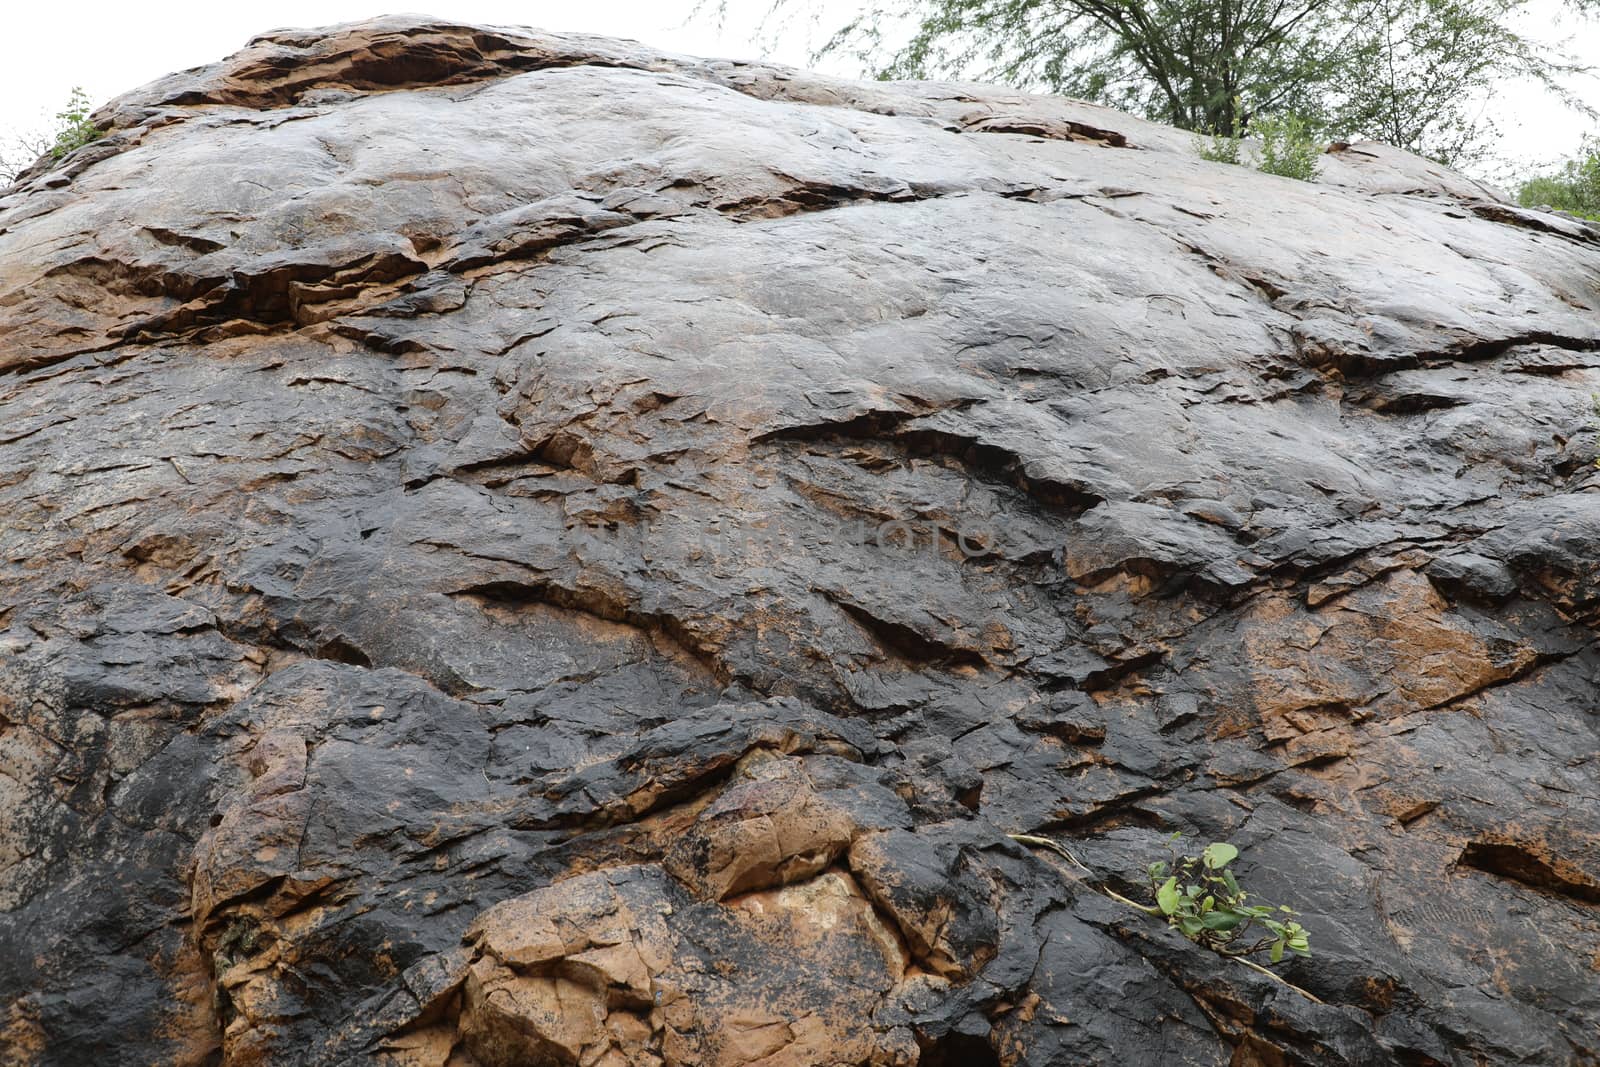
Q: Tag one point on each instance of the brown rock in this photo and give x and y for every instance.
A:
(766, 831)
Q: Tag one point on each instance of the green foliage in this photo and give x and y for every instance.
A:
(21, 149)
(74, 130)
(1201, 897)
(1417, 73)
(1574, 188)
(1413, 73)
(1218, 147)
(1288, 148)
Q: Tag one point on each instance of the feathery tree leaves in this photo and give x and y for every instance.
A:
(1413, 73)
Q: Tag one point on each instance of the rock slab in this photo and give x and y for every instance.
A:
(524, 549)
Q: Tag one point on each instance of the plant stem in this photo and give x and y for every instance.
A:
(1114, 895)
(1060, 849)
(1278, 978)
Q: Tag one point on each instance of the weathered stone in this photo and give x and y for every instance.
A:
(764, 832)
(520, 548)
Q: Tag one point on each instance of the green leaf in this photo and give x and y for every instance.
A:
(1167, 896)
(1203, 900)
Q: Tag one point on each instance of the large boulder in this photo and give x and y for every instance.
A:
(524, 549)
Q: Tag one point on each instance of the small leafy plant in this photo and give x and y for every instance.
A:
(1288, 148)
(1217, 147)
(75, 129)
(1201, 897)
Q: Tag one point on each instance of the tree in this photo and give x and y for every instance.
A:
(1418, 72)
(1410, 72)
(18, 151)
(1574, 187)
(72, 130)
(1196, 64)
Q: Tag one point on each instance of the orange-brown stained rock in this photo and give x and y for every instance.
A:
(582, 919)
(743, 946)
(622, 967)
(22, 1037)
(767, 831)
(258, 838)
(509, 1019)
(1390, 647)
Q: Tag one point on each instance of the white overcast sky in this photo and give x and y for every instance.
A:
(110, 47)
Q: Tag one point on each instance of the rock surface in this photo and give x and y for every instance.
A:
(522, 549)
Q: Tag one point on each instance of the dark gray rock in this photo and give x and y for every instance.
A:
(520, 548)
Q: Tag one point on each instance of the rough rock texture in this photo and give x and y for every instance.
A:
(446, 616)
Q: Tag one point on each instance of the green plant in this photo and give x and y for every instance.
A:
(1218, 147)
(1288, 147)
(1574, 188)
(1201, 897)
(75, 129)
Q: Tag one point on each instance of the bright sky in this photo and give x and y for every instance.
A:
(111, 46)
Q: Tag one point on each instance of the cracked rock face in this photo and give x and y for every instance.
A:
(521, 549)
